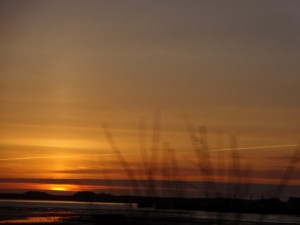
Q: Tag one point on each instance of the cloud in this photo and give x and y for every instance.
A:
(88, 171)
(38, 157)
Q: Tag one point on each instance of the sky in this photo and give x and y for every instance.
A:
(94, 92)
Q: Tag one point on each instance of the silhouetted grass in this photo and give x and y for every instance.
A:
(162, 160)
(154, 156)
(289, 171)
(130, 173)
(200, 146)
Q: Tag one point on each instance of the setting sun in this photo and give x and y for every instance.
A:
(58, 188)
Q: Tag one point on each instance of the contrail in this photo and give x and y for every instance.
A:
(53, 157)
(105, 154)
(39, 157)
(256, 147)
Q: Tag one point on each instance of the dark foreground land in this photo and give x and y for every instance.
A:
(234, 205)
(91, 209)
(38, 216)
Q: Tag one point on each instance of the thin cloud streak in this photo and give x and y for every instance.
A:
(54, 157)
(109, 154)
(256, 147)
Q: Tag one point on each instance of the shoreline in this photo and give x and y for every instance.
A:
(225, 205)
(94, 215)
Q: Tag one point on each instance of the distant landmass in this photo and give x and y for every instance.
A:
(262, 206)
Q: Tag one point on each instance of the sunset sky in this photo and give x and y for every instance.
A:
(73, 71)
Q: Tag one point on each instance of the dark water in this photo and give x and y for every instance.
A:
(65, 212)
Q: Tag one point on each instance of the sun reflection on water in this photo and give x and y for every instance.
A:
(36, 219)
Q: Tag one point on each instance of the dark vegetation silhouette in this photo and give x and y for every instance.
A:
(236, 197)
(122, 160)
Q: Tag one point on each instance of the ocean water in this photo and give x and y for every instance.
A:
(29, 211)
